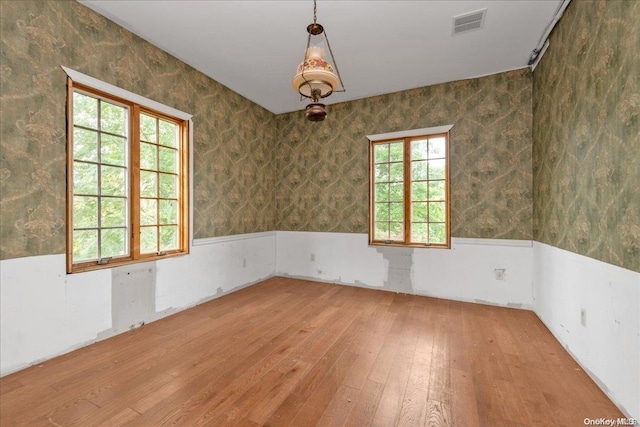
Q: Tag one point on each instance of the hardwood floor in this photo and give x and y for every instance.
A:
(293, 352)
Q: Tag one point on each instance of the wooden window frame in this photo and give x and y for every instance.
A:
(133, 196)
(407, 140)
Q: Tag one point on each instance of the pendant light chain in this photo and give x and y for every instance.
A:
(315, 12)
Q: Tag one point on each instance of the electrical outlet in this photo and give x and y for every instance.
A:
(244, 262)
(499, 273)
(583, 317)
(312, 257)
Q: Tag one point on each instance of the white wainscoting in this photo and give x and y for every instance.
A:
(45, 312)
(466, 272)
(608, 344)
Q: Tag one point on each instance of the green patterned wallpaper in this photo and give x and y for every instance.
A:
(322, 168)
(586, 133)
(233, 138)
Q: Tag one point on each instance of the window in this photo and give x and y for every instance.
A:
(127, 186)
(409, 189)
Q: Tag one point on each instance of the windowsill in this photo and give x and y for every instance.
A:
(92, 267)
(409, 245)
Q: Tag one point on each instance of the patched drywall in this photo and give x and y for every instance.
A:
(133, 295)
(399, 264)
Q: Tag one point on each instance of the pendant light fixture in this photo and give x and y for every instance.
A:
(315, 78)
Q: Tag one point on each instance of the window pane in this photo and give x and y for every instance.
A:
(148, 184)
(168, 186)
(168, 237)
(113, 212)
(85, 178)
(113, 181)
(419, 191)
(396, 192)
(113, 118)
(168, 160)
(113, 242)
(382, 173)
(148, 155)
(168, 212)
(85, 245)
(148, 239)
(396, 231)
(381, 231)
(419, 233)
(382, 193)
(85, 145)
(437, 212)
(396, 152)
(419, 170)
(437, 190)
(112, 150)
(437, 148)
(85, 212)
(419, 212)
(85, 111)
(396, 172)
(148, 211)
(382, 212)
(419, 150)
(168, 133)
(437, 233)
(148, 128)
(396, 211)
(381, 153)
(436, 169)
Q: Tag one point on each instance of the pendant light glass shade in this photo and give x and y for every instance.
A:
(315, 78)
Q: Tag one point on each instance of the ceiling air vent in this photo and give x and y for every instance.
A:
(469, 21)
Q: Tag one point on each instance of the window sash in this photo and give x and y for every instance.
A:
(132, 226)
(410, 221)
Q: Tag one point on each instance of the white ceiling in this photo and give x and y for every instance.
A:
(254, 47)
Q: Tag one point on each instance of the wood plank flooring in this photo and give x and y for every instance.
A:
(289, 352)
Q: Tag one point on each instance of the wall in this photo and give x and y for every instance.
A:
(322, 168)
(608, 344)
(586, 170)
(233, 138)
(466, 272)
(45, 312)
(586, 132)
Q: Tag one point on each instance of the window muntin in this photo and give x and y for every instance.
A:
(409, 192)
(128, 186)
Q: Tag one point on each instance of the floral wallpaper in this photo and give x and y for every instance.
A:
(322, 168)
(586, 133)
(233, 138)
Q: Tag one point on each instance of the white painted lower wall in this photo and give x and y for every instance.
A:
(45, 312)
(466, 272)
(608, 344)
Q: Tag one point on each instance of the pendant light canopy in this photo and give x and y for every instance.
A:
(315, 77)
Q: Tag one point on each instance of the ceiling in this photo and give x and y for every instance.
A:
(254, 47)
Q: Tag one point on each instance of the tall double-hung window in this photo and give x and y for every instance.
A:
(409, 188)
(127, 181)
